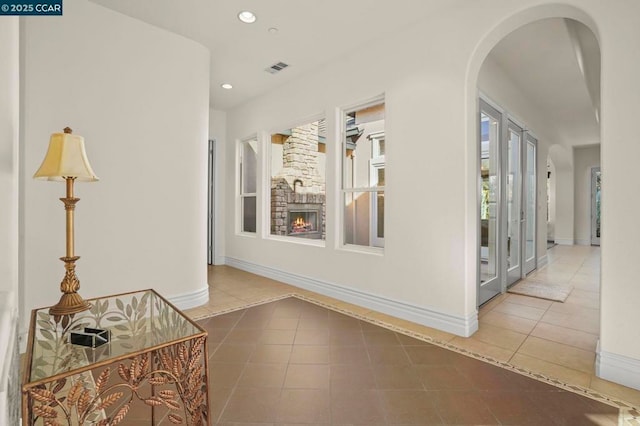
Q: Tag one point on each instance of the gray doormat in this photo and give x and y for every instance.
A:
(558, 293)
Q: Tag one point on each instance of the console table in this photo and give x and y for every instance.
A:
(153, 369)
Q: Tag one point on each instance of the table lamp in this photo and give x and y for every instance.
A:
(66, 160)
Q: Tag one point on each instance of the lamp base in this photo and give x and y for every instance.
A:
(70, 303)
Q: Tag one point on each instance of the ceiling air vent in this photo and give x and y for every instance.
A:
(276, 68)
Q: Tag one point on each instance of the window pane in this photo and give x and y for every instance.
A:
(249, 166)
(513, 199)
(363, 167)
(249, 214)
(380, 213)
(298, 176)
(490, 135)
(364, 218)
(364, 142)
(531, 202)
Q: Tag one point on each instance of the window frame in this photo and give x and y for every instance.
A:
(376, 245)
(241, 195)
(268, 167)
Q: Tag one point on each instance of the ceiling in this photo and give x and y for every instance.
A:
(310, 34)
(540, 57)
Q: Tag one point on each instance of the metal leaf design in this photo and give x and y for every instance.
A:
(171, 404)
(83, 401)
(42, 395)
(167, 394)
(134, 372)
(175, 419)
(158, 380)
(45, 411)
(109, 400)
(102, 380)
(60, 384)
(123, 372)
(153, 401)
(120, 415)
(74, 394)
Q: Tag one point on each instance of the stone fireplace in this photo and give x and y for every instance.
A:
(298, 189)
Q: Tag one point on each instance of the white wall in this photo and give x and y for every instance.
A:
(411, 277)
(584, 159)
(435, 88)
(9, 131)
(619, 357)
(563, 180)
(9, 126)
(139, 96)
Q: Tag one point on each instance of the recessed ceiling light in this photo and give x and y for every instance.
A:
(247, 17)
(226, 86)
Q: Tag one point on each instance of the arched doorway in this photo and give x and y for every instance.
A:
(529, 84)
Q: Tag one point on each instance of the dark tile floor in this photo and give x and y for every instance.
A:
(292, 362)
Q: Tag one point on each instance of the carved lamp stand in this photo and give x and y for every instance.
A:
(66, 160)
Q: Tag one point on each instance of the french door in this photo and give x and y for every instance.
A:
(490, 282)
(507, 184)
(530, 202)
(513, 202)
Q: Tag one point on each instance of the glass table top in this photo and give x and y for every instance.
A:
(136, 321)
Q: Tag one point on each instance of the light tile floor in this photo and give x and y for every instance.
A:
(555, 339)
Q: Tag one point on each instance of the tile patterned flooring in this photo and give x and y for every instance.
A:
(293, 362)
(551, 338)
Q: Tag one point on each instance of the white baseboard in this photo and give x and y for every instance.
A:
(618, 368)
(461, 326)
(542, 261)
(191, 300)
(564, 241)
(219, 260)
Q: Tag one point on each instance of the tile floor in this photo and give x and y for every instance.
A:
(555, 339)
(293, 362)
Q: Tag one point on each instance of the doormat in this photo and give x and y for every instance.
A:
(558, 293)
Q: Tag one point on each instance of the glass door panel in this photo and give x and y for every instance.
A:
(514, 212)
(489, 284)
(530, 204)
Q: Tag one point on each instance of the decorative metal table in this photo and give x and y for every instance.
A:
(154, 367)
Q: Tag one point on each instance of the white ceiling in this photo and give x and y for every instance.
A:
(539, 57)
(310, 34)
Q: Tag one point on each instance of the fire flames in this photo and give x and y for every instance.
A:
(299, 225)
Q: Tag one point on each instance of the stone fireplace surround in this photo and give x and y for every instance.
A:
(299, 185)
(284, 201)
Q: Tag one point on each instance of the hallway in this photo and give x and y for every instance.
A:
(556, 340)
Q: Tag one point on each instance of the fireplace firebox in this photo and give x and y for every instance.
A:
(304, 220)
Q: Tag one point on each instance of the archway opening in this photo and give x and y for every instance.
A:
(540, 70)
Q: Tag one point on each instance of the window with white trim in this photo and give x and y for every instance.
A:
(298, 198)
(248, 167)
(363, 175)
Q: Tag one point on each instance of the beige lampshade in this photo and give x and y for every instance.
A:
(65, 158)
